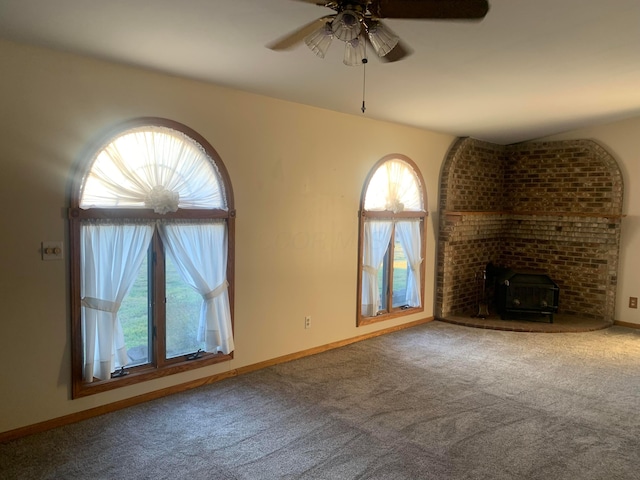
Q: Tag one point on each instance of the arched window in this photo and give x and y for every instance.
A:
(392, 246)
(151, 237)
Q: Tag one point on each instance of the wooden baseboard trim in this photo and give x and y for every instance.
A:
(330, 346)
(129, 402)
(626, 324)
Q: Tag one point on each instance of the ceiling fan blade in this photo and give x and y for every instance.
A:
(292, 39)
(430, 9)
(400, 51)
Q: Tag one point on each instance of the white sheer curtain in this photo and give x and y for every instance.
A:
(377, 234)
(408, 234)
(110, 257)
(394, 187)
(199, 252)
(153, 167)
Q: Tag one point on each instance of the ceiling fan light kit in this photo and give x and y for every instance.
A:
(361, 20)
(348, 26)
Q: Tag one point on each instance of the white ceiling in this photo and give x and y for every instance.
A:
(530, 68)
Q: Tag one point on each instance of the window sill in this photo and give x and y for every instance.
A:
(362, 321)
(145, 373)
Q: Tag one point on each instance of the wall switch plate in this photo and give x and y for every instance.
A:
(52, 251)
(633, 302)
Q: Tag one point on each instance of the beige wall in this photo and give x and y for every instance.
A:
(297, 174)
(622, 140)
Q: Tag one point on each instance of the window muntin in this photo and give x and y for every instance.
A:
(391, 267)
(156, 202)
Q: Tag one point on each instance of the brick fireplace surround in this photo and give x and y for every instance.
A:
(548, 207)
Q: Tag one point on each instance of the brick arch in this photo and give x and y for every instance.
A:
(554, 207)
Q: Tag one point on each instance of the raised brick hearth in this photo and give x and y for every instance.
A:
(548, 207)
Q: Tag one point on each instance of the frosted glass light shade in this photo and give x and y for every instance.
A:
(347, 25)
(320, 40)
(382, 39)
(354, 52)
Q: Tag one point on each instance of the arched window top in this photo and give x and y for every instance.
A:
(153, 166)
(394, 186)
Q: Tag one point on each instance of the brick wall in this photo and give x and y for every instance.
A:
(577, 177)
(467, 243)
(479, 185)
(551, 207)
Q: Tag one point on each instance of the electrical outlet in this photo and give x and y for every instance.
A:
(633, 302)
(307, 322)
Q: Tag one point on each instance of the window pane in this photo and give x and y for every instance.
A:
(400, 276)
(134, 318)
(183, 314)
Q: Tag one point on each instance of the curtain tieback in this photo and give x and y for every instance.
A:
(100, 304)
(369, 269)
(216, 291)
(416, 265)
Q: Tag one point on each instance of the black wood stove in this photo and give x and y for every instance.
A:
(526, 293)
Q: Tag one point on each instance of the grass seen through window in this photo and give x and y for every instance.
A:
(183, 312)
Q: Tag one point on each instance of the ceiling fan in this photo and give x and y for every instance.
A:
(358, 22)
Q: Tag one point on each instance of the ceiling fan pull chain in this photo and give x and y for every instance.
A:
(364, 81)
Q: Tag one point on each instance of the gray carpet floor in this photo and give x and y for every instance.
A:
(438, 401)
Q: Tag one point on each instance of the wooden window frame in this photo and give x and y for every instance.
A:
(365, 215)
(158, 366)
